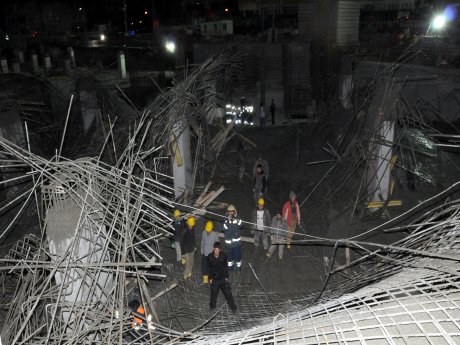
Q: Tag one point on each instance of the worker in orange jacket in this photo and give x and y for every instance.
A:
(291, 213)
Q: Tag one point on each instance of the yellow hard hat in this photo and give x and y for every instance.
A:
(191, 221)
(176, 213)
(231, 208)
(261, 201)
(209, 226)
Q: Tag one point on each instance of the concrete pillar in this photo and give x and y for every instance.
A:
(47, 60)
(73, 236)
(34, 59)
(182, 159)
(122, 64)
(21, 56)
(380, 166)
(4, 65)
(71, 56)
(16, 67)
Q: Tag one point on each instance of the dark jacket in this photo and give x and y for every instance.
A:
(260, 182)
(218, 267)
(232, 231)
(188, 244)
(178, 226)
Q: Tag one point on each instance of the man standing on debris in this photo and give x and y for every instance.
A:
(261, 219)
(178, 226)
(272, 111)
(208, 238)
(263, 115)
(278, 233)
(264, 164)
(232, 231)
(189, 246)
(260, 184)
(218, 275)
(291, 213)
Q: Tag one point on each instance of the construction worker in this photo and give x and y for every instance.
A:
(264, 164)
(261, 219)
(188, 246)
(218, 274)
(291, 213)
(178, 226)
(232, 230)
(260, 184)
(208, 238)
(138, 329)
(140, 323)
(278, 234)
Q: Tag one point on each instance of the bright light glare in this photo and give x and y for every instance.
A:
(439, 22)
(102, 37)
(170, 46)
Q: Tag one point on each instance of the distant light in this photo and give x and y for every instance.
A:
(145, 12)
(450, 12)
(132, 23)
(226, 9)
(438, 22)
(78, 27)
(131, 32)
(170, 46)
(7, 37)
(102, 37)
(140, 21)
(80, 9)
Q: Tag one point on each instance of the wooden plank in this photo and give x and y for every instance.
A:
(378, 204)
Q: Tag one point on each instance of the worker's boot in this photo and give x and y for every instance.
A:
(183, 261)
(205, 280)
(189, 275)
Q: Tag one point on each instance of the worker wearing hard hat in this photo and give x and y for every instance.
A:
(261, 220)
(208, 238)
(178, 226)
(188, 246)
(232, 229)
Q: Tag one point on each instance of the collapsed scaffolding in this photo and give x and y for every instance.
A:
(101, 224)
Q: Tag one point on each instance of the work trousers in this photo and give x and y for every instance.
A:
(178, 251)
(188, 263)
(261, 236)
(272, 249)
(204, 265)
(262, 121)
(234, 257)
(223, 285)
(291, 229)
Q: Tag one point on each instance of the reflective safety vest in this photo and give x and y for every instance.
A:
(137, 321)
(232, 232)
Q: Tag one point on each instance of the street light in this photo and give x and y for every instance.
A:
(438, 22)
(170, 47)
